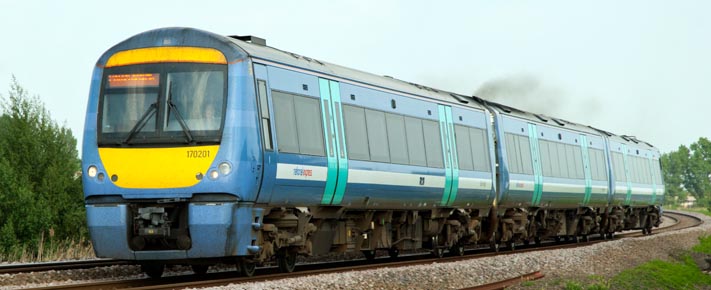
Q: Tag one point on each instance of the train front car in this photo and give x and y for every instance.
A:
(171, 150)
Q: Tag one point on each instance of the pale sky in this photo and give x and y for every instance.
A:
(640, 68)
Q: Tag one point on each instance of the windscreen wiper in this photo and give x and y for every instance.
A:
(172, 107)
(152, 109)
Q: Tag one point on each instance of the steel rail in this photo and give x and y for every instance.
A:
(271, 273)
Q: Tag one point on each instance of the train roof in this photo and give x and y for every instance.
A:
(256, 48)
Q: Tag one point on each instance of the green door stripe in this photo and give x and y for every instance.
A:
(537, 169)
(628, 200)
(452, 148)
(447, 160)
(327, 119)
(586, 167)
(342, 154)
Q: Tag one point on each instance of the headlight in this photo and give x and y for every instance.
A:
(214, 175)
(224, 168)
(91, 171)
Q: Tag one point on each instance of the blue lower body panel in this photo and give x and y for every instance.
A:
(216, 229)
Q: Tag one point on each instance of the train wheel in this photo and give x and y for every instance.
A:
(369, 255)
(286, 260)
(457, 250)
(644, 231)
(199, 269)
(246, 268)
(153, 270)
(494, 246)
(649, 231)
(438, 252)
(393, 252)
(537, 240)
(511, 245)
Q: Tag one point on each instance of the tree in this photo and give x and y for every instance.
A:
(674, 171)
(39, 192)
(688, 170)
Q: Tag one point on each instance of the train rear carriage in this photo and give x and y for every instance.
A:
(554, 177)
(638, 189)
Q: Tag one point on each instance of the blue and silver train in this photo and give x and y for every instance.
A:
(201, 148)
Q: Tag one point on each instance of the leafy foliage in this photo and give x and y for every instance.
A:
(688, 170)
(40, 194)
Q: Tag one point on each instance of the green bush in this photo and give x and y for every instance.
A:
(41, 200)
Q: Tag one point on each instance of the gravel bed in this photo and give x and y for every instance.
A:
(603, 259)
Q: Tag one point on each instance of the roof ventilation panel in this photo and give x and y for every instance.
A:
(251, 39)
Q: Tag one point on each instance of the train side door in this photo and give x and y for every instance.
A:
(334, 133)
(451, 163)
(266, 125)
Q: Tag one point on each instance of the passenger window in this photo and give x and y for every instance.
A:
(579, 166)
(562, 161)
(397, 139)
(525, 149)
(480, 149)
(309, 125)
(356, 133)
(287, 140)
(619, 167)
(298, 124)
(464, 147)
(377, 136)
(433, 143)
(512, 153)
(519, 154)
(415, 141)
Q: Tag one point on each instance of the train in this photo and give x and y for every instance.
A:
(201, 148)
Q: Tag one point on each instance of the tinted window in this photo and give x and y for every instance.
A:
(356, 133)
(433, 143)
(415, 141)
(519, 154)
(464, 148)
(525, 149)
(285, 121)
(298, 124)
(309, 125)
(618, 166)
(397, 139)
(512, 153)
(480, 149)
(377, 136)
(579, 167)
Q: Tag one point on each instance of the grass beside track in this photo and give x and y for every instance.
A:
(680, 273)
(49, 251)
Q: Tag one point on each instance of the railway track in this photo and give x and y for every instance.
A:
(56, 266)
(680, 221)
